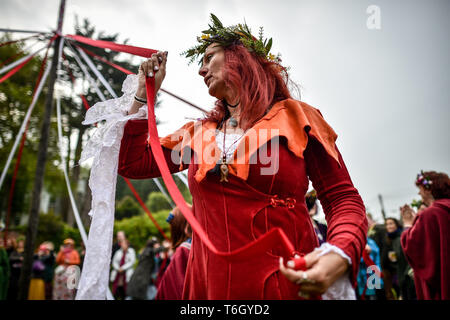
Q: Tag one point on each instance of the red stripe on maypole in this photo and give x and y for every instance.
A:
(17, 68)
(19, 40)
(85, 102)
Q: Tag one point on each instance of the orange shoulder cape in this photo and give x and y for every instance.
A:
(292, 119)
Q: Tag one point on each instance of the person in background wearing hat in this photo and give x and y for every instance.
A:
(67, 256)
(43, 262)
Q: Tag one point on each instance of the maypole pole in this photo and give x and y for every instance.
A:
(33, 220)
(383, 212)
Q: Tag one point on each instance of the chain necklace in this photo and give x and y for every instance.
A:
(224, 166)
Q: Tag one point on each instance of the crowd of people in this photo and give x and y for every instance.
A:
(154, 272)
(254, 238)
(50, 270)
(400, 259)
(160, 270)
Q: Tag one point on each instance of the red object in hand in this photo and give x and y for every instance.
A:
(299, 263)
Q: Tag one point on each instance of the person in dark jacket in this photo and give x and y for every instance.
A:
(4, 271)
(48, 259)
(395, 261)
(15, 262)
(142, 277)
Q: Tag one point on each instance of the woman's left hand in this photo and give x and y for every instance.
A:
(321, 272)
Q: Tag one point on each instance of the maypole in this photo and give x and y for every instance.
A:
(33, 221)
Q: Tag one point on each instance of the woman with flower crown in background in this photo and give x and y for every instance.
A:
(249, 161)
(426, 242)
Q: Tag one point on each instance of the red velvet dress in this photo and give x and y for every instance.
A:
(239, 211)
(172, 282)
(427, 248)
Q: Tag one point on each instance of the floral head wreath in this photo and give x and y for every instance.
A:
(226, 36)
(422, 180)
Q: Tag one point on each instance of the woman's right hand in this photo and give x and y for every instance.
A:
(153, 67)
(407, 213)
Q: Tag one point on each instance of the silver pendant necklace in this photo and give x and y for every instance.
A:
(232, 120)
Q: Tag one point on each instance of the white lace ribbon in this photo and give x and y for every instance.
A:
(342, 288)
(104, 146)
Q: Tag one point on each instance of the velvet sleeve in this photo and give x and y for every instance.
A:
(421, 247)
(136, 159)
(343, 207)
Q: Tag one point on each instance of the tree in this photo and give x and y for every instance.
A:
(140, 228)
(127, 208)
(147, 186)
(52, 228)
(157, 201)
(15, 98)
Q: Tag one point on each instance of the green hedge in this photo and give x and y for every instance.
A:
(127, 207)
(52, 228)
(139, 229)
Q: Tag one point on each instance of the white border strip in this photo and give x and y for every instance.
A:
(88, 76)
(97, 73)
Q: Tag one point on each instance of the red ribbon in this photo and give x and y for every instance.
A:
(368, 262)
(271, 239)
(299, 263)
(143, 52)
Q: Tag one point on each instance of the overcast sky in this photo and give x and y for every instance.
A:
(386, 91)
